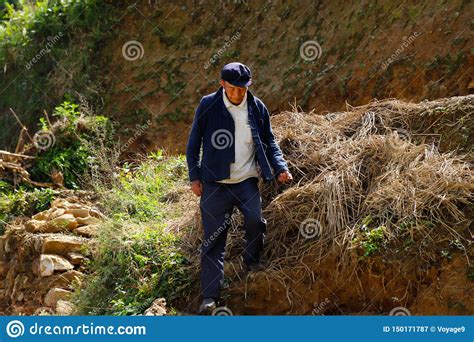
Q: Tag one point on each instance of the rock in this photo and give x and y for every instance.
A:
(55, 212)
(66, 280)
(59, 203)
(47, 264)
(82, 212)
(35, 226)
(61, 244)
(157, 308)
(96, 213)
(40, 216)
(75, 258)
(54, 295)
(64, 308)
(87, 220)
(65, 221)
(86, 231)
(43, 311)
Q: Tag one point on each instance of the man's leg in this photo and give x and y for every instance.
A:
(216, 208)
(250, 204)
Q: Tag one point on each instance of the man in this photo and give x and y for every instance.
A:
(233, 128)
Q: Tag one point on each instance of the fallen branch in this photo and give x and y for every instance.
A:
(16, 155)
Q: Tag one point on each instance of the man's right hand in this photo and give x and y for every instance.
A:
(196, 187)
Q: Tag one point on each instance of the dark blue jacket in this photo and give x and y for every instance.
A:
(213, 128)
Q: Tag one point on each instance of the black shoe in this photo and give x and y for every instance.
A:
(207, 306)
(255, 267)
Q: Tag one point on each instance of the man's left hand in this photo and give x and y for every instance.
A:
(285, 176)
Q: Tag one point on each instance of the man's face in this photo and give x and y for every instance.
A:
(235, 94)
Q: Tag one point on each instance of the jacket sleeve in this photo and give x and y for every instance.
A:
(193, 147)
(273, 151)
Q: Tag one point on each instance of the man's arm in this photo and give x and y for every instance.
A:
(273, 152)
(193, 147)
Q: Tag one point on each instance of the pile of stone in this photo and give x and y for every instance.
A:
(43, 260)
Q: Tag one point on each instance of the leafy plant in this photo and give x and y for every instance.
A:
(369, 239)
(71, 152)
(136, 244)
(22, 202)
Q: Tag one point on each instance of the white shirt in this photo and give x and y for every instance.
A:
(244, 166)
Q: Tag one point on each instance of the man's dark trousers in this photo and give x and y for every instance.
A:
(217, 203)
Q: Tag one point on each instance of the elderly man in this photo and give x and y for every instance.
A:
(233, 128)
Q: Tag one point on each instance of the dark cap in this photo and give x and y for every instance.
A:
(237, 74)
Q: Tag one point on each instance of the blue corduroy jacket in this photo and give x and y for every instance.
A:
(213, 129)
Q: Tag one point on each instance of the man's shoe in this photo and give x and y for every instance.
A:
(255, 267)
(207, 306)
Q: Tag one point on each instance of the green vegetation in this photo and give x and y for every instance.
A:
(46, 51)
(75, 137)
(136, 259)
(70, 154)
(369, 240)
(24, 201)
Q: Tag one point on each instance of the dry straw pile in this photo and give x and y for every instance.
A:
(360, 170)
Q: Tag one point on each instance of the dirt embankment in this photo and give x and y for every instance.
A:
(373, 50)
